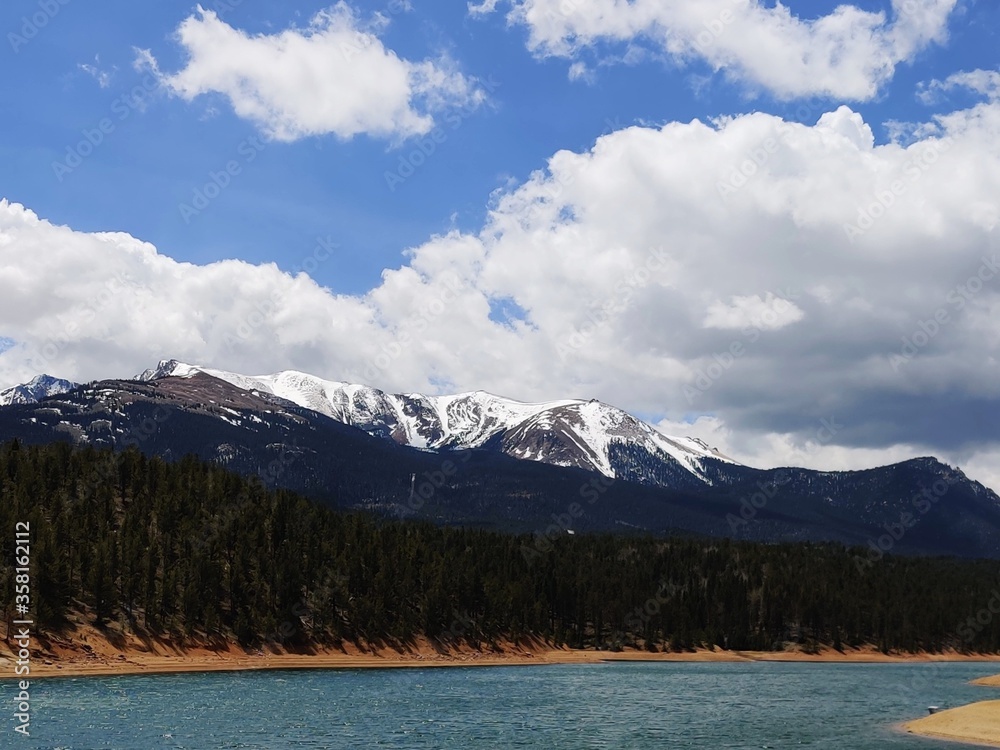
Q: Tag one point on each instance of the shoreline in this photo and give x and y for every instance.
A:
(903, 727)
(110, 662)
(89, 652)
(975, 724)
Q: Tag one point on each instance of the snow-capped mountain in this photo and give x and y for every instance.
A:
(283, 430)
(38, 388)
(589, 435)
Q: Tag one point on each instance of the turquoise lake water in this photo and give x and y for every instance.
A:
(638, 705)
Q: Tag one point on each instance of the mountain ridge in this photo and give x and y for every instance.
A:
(480, 460)
(257, 433)
(564, 432)
(39, 387)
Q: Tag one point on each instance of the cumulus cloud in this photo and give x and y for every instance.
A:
(983, 82)
(751, 276)
(333, 77)
(848, 54)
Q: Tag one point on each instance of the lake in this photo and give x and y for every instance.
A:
(624, 705)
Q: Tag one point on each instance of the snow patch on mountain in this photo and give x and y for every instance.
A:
(35, 390)
(568, 432)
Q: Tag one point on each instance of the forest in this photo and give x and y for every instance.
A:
(190, 550)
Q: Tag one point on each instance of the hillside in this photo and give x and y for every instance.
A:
(191, 553)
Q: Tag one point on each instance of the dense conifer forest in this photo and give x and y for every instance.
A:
(190, 550)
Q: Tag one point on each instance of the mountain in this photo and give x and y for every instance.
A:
(460, 461)
(587, 435)
(256, 433)
(42, 386)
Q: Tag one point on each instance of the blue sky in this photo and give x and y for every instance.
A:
(329, 187)
(540, 198)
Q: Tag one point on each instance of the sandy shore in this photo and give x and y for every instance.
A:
(977, 723)
(86, 650)
(106, 661)
(130, 664)
(90, 654)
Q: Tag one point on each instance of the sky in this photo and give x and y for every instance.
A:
(770, 226)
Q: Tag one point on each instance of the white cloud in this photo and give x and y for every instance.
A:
(850, 125)
(579, 71)
(983, 82)
(484, 8)
(768, 313)
(637, 275)
(103, 77)
(848, 54)
(333, 77)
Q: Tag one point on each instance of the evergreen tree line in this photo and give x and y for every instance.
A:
(190, 550)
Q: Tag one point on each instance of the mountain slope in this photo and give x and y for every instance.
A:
(38, 388)
(259, 434)
(572, 433)
(285, 445)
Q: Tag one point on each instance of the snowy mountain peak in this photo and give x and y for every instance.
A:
(589, 434)
(39, 387)
(165, 368)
